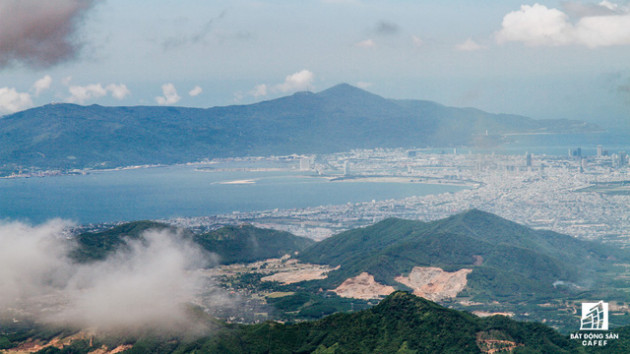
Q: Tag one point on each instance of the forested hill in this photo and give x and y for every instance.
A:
(506, 259)
(68, 136)
(232, 244)
(401, 323)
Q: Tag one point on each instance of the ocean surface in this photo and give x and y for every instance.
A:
(183, 191)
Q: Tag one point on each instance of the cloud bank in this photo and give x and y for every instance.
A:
(42, 84)
(11, 100)
(536, 25)
(169, 95)
(469, 46)
(196, 91)
(80, 94)
(142, 286)
(368, 43)
(299, 81)
(39, 33)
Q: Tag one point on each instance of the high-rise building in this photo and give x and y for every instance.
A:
(305, 163)
(583, 165)
(528, 159)
(600, 151)
(575, 153)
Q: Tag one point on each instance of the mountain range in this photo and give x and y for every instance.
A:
(506, 260)
(471, 257)
(68, 136)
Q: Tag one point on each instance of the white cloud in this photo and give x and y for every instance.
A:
(259, 91)
(609, 5)
(535, 25)
(42, 84)
(417, 41)
(32, 260)
(600, 31)
(119, 91)
(580, 9)
(80, 94)
(299, 81)
(368, 43)
(196, 91)
(469, 46)
(170, 95)
(538, 25)
(144, 284)
(12, 101)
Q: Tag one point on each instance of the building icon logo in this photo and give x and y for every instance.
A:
(594, 316)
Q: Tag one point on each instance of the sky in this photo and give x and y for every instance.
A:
(545, 60)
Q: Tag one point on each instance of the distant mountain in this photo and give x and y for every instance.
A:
(401, 323)
(68, 136)
(233, 244)
(506, 259)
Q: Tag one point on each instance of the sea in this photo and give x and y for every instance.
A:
(189, 191)
(183, 191)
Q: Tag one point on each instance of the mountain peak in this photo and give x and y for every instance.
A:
(477, 213)
(346, 90)
(342, 87)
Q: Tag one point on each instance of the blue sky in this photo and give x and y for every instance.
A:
(547, 59)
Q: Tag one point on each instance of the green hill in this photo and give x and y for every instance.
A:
(508, 260)
(93, 246)
(68, 136)
(401, 323)
(233, 244)
(246, 243)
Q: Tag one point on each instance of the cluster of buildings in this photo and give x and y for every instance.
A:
(546, 192)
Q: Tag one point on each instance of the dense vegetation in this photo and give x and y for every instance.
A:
(401, 323)
(246, 243)
(67, 136)
(513, 267)
(94, 246)
(508, 260)
(233, 244)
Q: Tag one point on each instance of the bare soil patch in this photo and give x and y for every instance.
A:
(434, 283)
(363, 286)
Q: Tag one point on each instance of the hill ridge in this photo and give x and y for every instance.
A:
(507, 259)
(343, 117)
